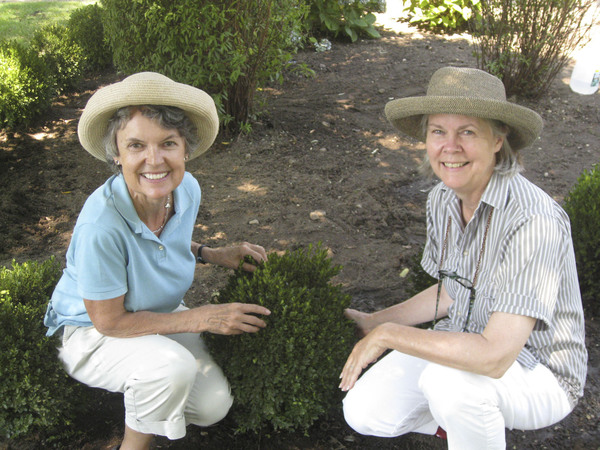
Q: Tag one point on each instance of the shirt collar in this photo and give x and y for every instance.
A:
(495, 194)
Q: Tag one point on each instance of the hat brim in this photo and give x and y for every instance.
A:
(147, 88)
(406, 114)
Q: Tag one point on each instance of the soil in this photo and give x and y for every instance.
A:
(319, 145)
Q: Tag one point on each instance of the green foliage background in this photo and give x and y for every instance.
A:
(442, 15)
(344, 18)
(286, 375)
(228, 48)
(53, 61)
(583, 207)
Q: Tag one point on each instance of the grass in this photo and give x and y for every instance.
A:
(19, 20)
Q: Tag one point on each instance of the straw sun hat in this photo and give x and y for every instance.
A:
(146, 88)
(469, 92)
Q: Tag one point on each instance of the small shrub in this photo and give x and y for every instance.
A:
(442, 15)
(61, 55)
(526, 43)
(350, 18)
(418, 279)
(287, 374)
(86, 29)
(35, 393)
(26, 85)
(583, 207)
(228, 48)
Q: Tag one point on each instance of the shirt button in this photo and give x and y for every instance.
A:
(465, 253)
(161, 248)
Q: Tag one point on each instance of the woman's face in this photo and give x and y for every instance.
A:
(152, 159)
(462, 153)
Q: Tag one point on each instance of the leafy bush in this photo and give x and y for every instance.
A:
(287, 374)
(227, 48)
(583, 207)
(86, 29)
(442, 15)
(349, 18)
(26, 85)
(35, 392)
(61, 55)
(526, 43)
(418, 279)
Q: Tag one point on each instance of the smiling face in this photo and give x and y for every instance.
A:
(462, 153)
(151, 158)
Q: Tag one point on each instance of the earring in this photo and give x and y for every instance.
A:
(117, 163)
(186, 158)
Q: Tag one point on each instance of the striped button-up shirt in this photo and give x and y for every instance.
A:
(527, 268)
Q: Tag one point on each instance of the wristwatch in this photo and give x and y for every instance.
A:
(199, 258)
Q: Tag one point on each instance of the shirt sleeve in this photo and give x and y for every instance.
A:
(101, 264)
(530, 273)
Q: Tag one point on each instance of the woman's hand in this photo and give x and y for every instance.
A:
(365, 352)
(231, 257)
(232, 318)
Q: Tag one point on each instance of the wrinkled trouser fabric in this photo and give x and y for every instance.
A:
(167, 381)
(402, 394)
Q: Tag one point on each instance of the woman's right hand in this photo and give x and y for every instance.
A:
(232, 318)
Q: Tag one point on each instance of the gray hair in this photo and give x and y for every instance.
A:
(168, 117)
(508, 161)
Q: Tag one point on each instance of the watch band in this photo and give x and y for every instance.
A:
(199, 258)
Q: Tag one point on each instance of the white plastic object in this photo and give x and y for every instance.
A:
(586, 73)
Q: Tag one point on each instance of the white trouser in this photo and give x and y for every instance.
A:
(167, 381)
(402, 394)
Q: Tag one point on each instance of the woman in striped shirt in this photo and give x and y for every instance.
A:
(507, 346)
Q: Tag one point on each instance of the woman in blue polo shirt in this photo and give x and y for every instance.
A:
(131, 260)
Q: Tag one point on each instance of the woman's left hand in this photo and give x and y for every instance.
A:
(365, 352)
(231, 257)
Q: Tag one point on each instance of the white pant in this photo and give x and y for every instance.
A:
(402, 394)
(167, 381)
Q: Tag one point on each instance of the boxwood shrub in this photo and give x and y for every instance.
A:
(86, 29)
(286, 376)
(228, 48)
(36, 395)
(61, 55)
(26, 85)
(583, 207)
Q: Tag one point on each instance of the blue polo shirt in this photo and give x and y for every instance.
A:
(113, 253)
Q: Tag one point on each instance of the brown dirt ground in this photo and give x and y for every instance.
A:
(319, 144)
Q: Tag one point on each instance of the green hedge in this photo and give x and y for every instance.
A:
(86, 29)
(54, 62)
(583, 207)
(61, 56)
(26, 85)
(227, 48)
(35, 394)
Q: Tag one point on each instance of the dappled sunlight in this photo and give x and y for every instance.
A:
(42, 136)
(389, 141)
(346, 103)
(249, 187)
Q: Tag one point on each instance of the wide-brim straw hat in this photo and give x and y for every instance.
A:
(468, 92)
(147, 88)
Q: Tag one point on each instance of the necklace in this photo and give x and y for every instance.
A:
(167, 207)
(472, 287)
(481, 251)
